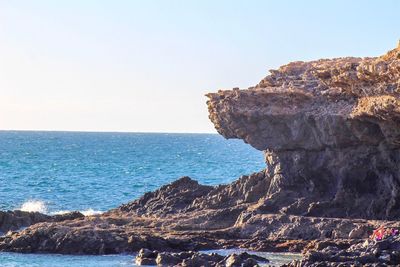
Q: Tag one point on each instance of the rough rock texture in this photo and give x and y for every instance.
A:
(191, 258)
(367, 253)
(17, 219)
(330, 133)
(170, 198)
(184, 222)
(330, 130)
(196, 227)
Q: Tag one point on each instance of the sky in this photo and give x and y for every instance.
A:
(144, 66)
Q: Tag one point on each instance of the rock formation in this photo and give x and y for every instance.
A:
(191, 258)
(369, 253)
(17, 219)
(168, 199)
(330, 131)
(223, 218)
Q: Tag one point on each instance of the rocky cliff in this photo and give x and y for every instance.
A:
(330, 131)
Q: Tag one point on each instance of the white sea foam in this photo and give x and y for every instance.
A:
(87, 212)
(40, 206)
(60, 212)
(90, 212)
(34, 206)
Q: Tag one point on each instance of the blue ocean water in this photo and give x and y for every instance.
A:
(60, 171)
(54, 172)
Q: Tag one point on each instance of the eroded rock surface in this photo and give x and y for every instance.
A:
(330, 131)
(171, 198)
(17, 219)
(368, 253)
(192, 258)
(198, 227)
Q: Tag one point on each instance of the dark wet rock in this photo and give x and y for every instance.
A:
(202, 259)
(249, 263)
(67, 216)
(145, 261)
(365, 253)
(194, 259)
(17, 219)
(167, 259)
(241, 225)
(247, 189)
(146, 257)
(243, 259)
(93, 236)
(147, 253)
(235, 260)
(170, 198)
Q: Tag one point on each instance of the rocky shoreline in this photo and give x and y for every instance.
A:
(330, 133)
(18, 219)
(122, 231)
(191, 258)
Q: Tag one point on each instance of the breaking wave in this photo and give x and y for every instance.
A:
(87, 212)
(40, 206)
(34, 206)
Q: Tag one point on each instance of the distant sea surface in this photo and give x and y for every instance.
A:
(55, 172)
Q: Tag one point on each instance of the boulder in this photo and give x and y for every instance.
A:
(243, 260)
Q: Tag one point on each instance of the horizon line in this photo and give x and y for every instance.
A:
(93, 131)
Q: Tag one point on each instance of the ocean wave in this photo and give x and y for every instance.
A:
(90, 212)
(40, 206)
(34, 206)
(87, 212)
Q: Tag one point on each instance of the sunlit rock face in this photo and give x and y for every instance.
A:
(330, 131)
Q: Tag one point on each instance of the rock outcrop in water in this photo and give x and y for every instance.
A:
(168, 199)
(191, 258)
(330, 131)
(234, 222)
(17, 219)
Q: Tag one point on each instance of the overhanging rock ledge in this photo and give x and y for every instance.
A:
(330, 131)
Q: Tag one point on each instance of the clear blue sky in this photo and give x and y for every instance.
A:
(146, 65)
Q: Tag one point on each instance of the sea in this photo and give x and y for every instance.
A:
(57, 172)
